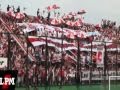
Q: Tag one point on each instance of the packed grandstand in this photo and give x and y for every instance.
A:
(42, 47)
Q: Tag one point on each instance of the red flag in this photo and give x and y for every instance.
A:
(55, 6)
(49, 8)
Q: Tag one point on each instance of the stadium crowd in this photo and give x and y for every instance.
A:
(60, 67)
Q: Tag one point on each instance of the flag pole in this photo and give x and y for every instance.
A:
(105, 64)
(116, 61)
(9, 52)
(27, 82)
(61, 65)
(46, 65)
(91, 62)
(78, 64)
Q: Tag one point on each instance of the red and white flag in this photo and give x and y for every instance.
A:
(77, 23)
(50, 8)
(100, 58)
(67, 16)
(19, 15)
(11, 13)
(55, 21)
(61, 21)
(55, 6)
(73, 13)
(70, 23)
(81, 34)
(56, 43)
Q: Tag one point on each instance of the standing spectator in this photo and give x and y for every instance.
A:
(38, 12)
(48, 17)
(18, 9)
(8, 8)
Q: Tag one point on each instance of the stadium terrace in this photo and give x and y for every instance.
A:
(60, 50)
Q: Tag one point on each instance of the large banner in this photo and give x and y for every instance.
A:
(52, 30)
(98, 75)
(100, 56)
(3, 62)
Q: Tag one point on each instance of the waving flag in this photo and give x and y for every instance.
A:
(67, 16)
(82, 11)
(55, 21)
(77, 23)
(70, 23)
(15, 15)
(49, 8)
(55, 6)
(19, 15)
(11, 13)
(56, 43)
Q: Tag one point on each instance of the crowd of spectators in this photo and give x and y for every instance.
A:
(59, 66)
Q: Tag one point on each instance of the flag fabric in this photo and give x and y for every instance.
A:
(19, 15)
(70, 23)
(72, 13)
(15, 15)
(49, 8)
(11, 13)
(100, 57)
(56, 43)
(77, 23)
(54, 21)
(52, 7)
(53, 31)
(67, 16)
(57, 21)
(82, 11)
(61, 21)
(55, 6)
